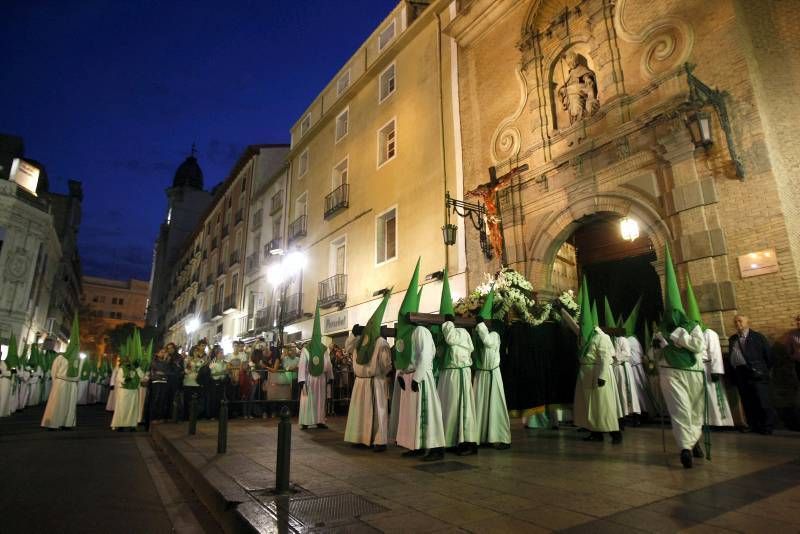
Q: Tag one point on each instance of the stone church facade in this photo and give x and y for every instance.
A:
(597, 98)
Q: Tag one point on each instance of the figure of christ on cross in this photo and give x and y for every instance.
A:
(487, 193)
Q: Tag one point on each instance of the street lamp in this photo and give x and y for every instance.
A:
(629, 229)
(279, 275)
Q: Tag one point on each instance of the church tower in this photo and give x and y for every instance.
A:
(186, 202)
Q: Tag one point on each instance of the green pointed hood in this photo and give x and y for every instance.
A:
(608, 314)
(372, 331)
(692, 308)
(595, 319)
(410, 304)
(630, 323)
(12, 358)
(86, 369)
(316, 348)
(446, 304)
(486, 309)
(147, 356)
(586, 322)
(72, 354)
(674, 312)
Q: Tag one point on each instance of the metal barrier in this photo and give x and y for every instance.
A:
(283, 460)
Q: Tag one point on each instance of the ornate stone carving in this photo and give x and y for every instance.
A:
(17, 265)
(506, 139)
(578, 92)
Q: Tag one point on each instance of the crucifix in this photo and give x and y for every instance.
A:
(488, 194)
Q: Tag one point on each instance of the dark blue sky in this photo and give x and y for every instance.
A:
(114, 92)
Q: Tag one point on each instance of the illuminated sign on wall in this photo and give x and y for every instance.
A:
(758, 263)
(25, 174)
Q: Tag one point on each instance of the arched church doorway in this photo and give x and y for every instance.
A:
(619, 269)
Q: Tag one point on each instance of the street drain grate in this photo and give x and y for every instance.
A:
(444, 467)
(326, 510)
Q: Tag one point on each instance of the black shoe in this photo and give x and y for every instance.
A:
(359, 446)
(686, 458)
(434, 455)
(467, 449)
(616, 437)
(323, 426)
(303, 427)
(502, 446)
(697, 451)
(594, 436)
(413, 454)
(379, 448)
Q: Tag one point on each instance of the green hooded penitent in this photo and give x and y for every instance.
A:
(488, 304)
(608, 314)
(630, 323)
(586, 321)
(316, 348)
(692, 309)
(372, 331)
(595, 317)
(86, 369)
(674, 317)
(72, 354)
(410, 304)
(446, 303)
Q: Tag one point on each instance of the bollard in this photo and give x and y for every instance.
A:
(222, 433)
(284, 452)
(193, 415)
(175, 407)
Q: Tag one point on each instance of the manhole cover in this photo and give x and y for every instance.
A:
(444, 467)
(327, 510)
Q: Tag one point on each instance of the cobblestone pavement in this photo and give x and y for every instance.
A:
(549, 480)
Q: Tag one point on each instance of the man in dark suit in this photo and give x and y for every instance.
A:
(749, 355)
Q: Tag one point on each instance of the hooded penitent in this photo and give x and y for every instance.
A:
(316, 348)
(608, 314)
(410, 304)
(372, 331)
(587, 319)
(674, 317)
(692, 309)
(72, 354)
(12, 358)
(595, 317)
(486, 310)
(446, 303)
(630, 323)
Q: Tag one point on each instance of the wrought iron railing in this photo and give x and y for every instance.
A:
(258, 219)
(277, 203)
(333, 291)
(251, 263)
(297, 228)
(292, 308)
(337, 200)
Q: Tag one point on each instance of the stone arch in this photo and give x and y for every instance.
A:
(542, 247)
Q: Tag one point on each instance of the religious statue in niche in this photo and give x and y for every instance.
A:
(578, 92)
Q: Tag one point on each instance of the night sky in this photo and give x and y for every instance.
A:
(114, 93)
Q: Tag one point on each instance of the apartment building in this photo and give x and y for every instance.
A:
(205, 297)
(371, 160)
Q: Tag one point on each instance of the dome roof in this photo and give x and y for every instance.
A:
(189, 174)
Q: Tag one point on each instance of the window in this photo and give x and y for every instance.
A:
(386, 36)
(387, 83)
(386, 236)
(220, 293)
(102, 298)
(343, 83)
(341, 124)
(114, 300)
(302, 165)
(305, 125)
(338, 256)
(276, 228)
(387, 143)
(120, 301)
(340, 174)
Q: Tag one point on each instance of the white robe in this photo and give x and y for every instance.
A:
(422, 427)
(35, 385)
(126, 407)
(626, 389)
(641, 384)
(683, 389)
(112, 393)
(719, 411)
(83, 392)
(596, 407)
(5, 389)
(455, 388)
(491, 412)
(314, 394)
(23, 388)
(61, 405)
(48, 385)
(368, 416)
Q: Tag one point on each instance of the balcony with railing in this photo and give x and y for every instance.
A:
(220, 269)
(216, 311)
(297, 228)
(258, 219)
(264, 318)
(234, 258)
(229, 304)
(277, 203)
(239, 217)
(333, 291)
(275, 244)
(225, 230)
(251, 263)
(292, 308)
(337, 200)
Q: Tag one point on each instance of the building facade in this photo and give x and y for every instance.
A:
(186, 203)
(371, 160)
(595, 101)
(205, 283)
(106, 304)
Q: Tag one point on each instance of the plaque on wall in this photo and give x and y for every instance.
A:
(758, 263)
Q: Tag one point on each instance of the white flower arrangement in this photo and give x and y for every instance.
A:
(514, 299)
(567, 301)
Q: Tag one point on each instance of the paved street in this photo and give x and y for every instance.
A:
(87, 480)
(549, 480)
